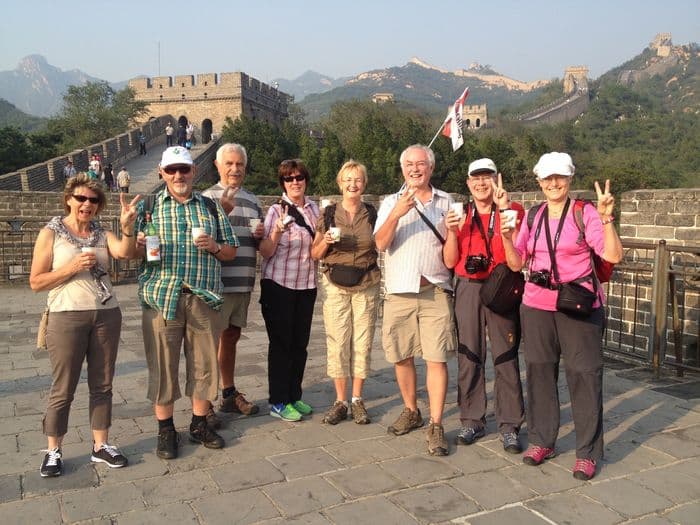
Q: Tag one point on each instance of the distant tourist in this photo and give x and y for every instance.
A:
(169, 131)
(181, 135)
(69, 171)
(95, 165)
(189, 135)
(108, 175)
(123, 180)
(92, 175)
(142, 143)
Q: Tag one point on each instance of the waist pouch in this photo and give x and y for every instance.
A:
(502, 291)
(576, 300)
(347, 276)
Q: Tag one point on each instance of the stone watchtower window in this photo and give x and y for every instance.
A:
(161, 97)
(183, 95)
(206, 84)
(160, 86)
(183, 84)
(205, 94)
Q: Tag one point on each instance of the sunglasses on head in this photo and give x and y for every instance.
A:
(290, 178)
(83, 198)
(171, 170)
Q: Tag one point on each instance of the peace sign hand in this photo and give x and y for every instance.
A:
(606, 202)
(500, 195)
(128, 210)
(284, 219)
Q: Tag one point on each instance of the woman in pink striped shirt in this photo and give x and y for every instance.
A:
(288, 289)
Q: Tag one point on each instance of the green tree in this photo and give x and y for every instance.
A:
(94, 112)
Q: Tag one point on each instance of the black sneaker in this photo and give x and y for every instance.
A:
(168, 440)
(52, 465)
(206, 436)
(111, 455)
(213, 420)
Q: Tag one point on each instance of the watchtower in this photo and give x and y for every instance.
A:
(575, 79)
(475, 117)
(207, 101)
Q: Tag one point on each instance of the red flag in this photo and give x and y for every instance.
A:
(453, 122)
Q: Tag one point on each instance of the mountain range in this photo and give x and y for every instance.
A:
(37, 87)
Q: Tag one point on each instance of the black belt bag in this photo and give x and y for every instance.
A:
(347, 276)
(574, 299)
(502, 291)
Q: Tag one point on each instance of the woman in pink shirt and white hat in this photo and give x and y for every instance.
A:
(562, 312)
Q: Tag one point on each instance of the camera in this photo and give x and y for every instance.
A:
(541, 278)
(476, 264)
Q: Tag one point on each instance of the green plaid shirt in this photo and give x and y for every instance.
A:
(182, 264)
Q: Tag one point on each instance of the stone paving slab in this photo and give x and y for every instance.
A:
(273, 471)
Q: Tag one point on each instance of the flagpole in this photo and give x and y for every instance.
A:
(438, 132)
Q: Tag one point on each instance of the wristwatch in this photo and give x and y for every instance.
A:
(218, 249)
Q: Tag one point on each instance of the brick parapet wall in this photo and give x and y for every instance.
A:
(48, 175)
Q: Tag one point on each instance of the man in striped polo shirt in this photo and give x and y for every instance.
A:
(245, 214)
(418, 309)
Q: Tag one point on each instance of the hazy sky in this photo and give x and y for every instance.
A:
(527, 39)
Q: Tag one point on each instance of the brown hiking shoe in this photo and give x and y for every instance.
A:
(239, 404)
(437, 444)
(337, 413)
(407, 421)
(213, 420)
(359, 412)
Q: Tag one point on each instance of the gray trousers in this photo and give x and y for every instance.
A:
(474, 321)
(71, 338)
(549, 336)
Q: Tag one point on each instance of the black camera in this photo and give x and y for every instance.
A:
(541, 278)
(476, 264)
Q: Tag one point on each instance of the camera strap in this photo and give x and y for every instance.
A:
(476, 219)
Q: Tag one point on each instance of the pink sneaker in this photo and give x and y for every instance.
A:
(536, 455)
(584, 469)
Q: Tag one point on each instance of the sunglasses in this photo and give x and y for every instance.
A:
(290, 178)
(171, 170)
(83, 198)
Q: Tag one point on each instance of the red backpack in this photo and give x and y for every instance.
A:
(603, 269)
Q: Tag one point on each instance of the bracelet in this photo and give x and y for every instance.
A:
(608, 220)
(124, 234)
(217, 251)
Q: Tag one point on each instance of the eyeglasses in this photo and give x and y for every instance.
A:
(171, 170)
(83, 198)
(290, 178)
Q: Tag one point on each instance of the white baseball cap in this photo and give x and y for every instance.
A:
(176, 155)
(482, 166)
(554, 163)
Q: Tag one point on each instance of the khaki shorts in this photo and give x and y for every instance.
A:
(234, 311)
(418, 325)
(199, 327)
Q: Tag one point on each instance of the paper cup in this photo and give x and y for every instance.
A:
(88, 249)
(326, 202)
(253, 224)
(458, 208)
(335, 233)
(508, 218)
(197, 231)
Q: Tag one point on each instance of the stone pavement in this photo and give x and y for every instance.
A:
(276, 472)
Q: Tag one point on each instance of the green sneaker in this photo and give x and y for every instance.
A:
(302, 408)
(285, 412)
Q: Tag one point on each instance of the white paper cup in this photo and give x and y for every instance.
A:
(253, 224)
(335, 233)
(88, 249)
(458, 208)
(326, 202)
(197, 231)
(508, 218)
